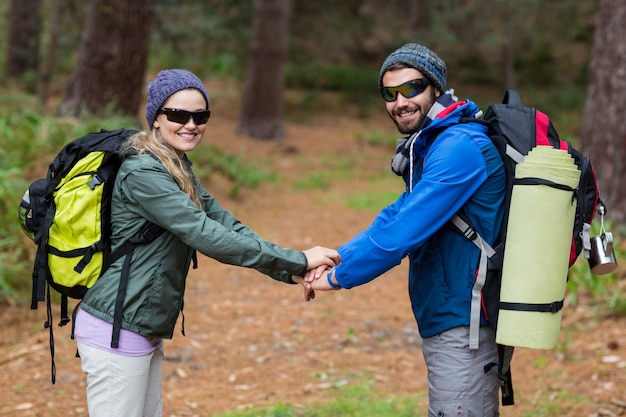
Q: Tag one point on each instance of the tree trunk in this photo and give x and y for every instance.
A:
(111, 62)
(603, 135)
(418, 16)
(23, 38)
(508, 64)
(47, 67)
(262, 107)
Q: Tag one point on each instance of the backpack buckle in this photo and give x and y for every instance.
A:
(95, 181)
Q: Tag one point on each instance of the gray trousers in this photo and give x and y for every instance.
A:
(122, 386)
(457, 383)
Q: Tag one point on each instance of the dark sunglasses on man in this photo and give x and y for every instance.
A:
(408, 89)
(182, 116)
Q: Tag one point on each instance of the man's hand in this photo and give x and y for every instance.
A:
(319, 260)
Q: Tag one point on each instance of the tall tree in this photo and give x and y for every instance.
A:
(47, 67)
(111, 61)
(262, 108)
(603, 135)
(23, 38)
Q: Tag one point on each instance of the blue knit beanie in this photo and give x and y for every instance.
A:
(422, 59)
(167, 83)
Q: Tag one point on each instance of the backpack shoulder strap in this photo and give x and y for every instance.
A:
(146, 234)
(486, 251)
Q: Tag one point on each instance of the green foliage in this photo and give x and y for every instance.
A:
(314, 180)
(476, 68)
(604, 290)
(357, 400)
(209, 160)
(538, 65)
(349, 79)
(357, 85)
(558, 402)
(14, 273)
(371, 201)
(208, 38)
(378, 138)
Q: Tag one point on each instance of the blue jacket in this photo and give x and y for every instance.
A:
(457, 168)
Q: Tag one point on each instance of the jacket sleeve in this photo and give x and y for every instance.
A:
(214, 210)
(211, 230)
(454, 169)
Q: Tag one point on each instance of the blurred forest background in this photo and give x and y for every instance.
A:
(89, 61)
(533, 45)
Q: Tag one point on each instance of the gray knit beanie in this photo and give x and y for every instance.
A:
(422, 59)
(167, 83)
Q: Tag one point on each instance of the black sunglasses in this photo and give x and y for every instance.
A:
(182, 116)
(408, 89)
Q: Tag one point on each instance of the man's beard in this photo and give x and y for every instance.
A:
(411, 126)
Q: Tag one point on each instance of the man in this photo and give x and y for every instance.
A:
(449, 166)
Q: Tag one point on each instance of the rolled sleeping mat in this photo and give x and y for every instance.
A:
(544, 155)
(538, 243)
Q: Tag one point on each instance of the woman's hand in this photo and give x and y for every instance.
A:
(319, 255)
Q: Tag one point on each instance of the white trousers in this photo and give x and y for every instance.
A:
(122, 386)
(457, 383)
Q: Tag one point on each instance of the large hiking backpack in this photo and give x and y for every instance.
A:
(68, 215)
(515, 130)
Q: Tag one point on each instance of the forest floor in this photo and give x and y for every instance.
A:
(251, 342)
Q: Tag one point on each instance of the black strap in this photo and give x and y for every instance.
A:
(503, 372)
(103, 175)
(194, 258)
(146, 234)
(74, 312)
(64, 317)
(182, 313)
(119, 302)
(48, 325)
(553, 307)
(85, 253)
(40, 269)
(39, 285)
(542, 181)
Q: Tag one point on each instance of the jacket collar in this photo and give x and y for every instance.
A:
(446, 111)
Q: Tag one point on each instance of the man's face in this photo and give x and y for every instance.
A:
(408, 113)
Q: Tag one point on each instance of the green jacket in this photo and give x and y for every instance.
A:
(145, 190)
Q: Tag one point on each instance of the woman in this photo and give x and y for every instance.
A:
(156, 184)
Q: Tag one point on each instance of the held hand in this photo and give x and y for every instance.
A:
(326, 282)
(315, 273)
(319, 255)
(309, 293)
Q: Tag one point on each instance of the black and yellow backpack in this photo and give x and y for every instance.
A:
(68, 215)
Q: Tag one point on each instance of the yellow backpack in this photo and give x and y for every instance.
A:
(68, 216)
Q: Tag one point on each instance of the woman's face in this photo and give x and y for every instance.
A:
(182, 137)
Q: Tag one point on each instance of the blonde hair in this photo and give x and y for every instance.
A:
(151, 143)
